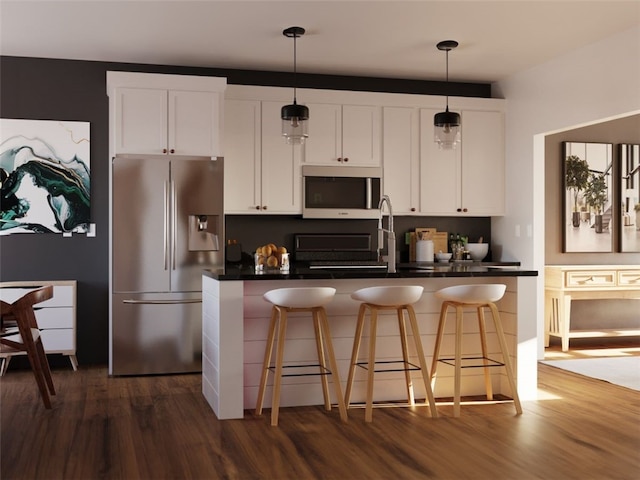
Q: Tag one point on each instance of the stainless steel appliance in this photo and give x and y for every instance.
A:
(168, 225)
(336, 251)
(340, 192)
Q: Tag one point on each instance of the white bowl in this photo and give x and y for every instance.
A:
(478, 251)
(443, 256)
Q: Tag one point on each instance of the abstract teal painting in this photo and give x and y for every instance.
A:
(45, 176)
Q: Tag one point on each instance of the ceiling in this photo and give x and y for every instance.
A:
(393, 39)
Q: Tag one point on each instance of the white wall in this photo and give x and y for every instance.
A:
(594, 83)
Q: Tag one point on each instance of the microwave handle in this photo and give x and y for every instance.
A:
(369, 193)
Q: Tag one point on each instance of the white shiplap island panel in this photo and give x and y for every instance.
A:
(236, 319)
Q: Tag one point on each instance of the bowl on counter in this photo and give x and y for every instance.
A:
(478, 251)
(443, 256)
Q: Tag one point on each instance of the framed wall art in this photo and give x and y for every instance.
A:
(588, 200)
(629, 155)
(45, 173)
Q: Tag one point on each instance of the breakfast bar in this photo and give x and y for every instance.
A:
(236, 319)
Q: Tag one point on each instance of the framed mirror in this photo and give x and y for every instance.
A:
(588, 201)
(629, 155)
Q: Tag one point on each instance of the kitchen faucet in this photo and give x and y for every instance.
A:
(391, 236)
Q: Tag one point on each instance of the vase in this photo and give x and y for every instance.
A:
(575, 219)
(598, 223)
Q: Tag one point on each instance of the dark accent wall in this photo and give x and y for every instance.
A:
(53, 89)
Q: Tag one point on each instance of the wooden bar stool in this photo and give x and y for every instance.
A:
(285, 301)
(399, 298)
(478, 297)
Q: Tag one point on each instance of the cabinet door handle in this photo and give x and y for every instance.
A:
(346, 159)
(264, 207)
(164, 150)
(458, 209)
(172, 150)
(413, 209)
(464, 209)
(257, 207)
(340, 159)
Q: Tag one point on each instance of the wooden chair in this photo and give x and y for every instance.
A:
(28, 338)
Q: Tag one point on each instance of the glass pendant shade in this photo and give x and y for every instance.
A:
(295, 123)
(446, 129)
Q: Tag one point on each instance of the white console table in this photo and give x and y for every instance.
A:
(56, 318)
(564, 283)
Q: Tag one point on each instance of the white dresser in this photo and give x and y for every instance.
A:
(56, 318)
(564, 283)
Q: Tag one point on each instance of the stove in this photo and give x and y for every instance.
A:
(336, 251)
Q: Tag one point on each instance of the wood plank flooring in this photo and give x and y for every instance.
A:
(162, 428)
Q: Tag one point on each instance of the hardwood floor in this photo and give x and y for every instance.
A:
(162, 428)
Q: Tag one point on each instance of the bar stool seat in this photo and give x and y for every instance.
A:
(399, 298)
(303, 299)
(479, 296)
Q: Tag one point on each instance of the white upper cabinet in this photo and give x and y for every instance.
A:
(468, 180)
(401, 158)
(262, 172)
(165, 114)
(343, 135)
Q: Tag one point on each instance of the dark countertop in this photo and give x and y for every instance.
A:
(404, 270)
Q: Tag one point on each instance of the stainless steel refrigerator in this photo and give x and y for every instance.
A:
(168, 226)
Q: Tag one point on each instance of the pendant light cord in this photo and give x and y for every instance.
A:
(295, 69)
(447, 63)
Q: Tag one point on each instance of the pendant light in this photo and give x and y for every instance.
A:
(447, 124)
(294, 117)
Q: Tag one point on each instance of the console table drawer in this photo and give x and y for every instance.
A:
(629, 278)
(589, 279)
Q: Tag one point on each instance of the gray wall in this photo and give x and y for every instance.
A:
(49, 89)
(591, 313)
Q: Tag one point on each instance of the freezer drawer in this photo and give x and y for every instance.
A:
(155, 334)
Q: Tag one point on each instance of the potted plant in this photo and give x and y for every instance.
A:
(596, 196)
(576, 179)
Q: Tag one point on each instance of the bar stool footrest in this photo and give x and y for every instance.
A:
(325, 371)
(490, 362)
(408, 366)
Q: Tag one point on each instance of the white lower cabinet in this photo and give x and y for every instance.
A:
(56, 318)
(468, 180)
(262, 172)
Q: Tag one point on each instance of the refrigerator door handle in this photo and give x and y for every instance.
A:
(161, 302)
(165, 226)
(174, 226)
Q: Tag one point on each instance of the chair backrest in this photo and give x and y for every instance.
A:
(24, 305)
(21, 311)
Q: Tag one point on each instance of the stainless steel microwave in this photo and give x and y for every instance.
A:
(340, 192)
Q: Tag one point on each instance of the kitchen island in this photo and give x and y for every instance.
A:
(236, 318)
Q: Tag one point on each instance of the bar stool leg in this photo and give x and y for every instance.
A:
(421, 359)
(277, 383)
(436, 349)
(267, 360)
(354, 353)
(505, 354)
(458, 362)
(321, 359)
(405, 355)
(335, 377)
(483, 343)
(373, 327)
